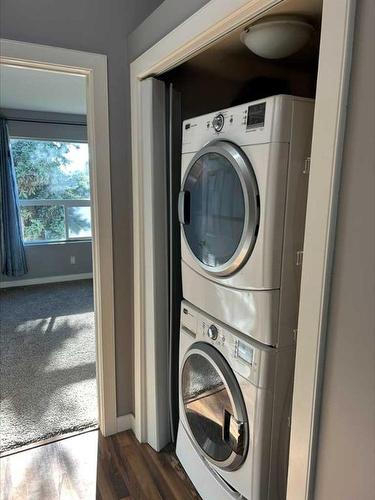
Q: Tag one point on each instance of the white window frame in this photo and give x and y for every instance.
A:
(53, 202)
(61, 203)
(94, 68)
(215, 19)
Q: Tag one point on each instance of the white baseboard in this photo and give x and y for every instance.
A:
(125, 422)
(48, 279)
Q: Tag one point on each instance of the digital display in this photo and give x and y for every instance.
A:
(255, 115)
(245, 352)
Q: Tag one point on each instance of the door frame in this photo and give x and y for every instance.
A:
(215, 19)
(94, 68)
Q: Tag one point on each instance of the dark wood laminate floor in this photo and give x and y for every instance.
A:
(88, 466)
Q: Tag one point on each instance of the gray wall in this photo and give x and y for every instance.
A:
(54, 260)
(346, 454)
(195, 82)
(45, 125)
(98, 26)
(164, 19)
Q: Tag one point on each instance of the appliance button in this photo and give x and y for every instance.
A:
(212, 332)
(218, 122)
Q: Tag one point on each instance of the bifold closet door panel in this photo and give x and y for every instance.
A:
(174, 140)
(155, 254)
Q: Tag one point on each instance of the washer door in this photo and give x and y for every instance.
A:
(219, 208)
(214, 407)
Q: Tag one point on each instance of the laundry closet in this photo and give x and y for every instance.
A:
(238, 132)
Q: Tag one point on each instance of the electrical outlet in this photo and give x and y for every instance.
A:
(72, 259)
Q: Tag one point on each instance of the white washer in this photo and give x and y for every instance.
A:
(235, 397)
(242, 212)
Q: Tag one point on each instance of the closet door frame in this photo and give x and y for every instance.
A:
(214, 20)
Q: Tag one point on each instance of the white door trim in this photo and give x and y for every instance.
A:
(94, 68)
(326, 158)
(215, 19)
(46, 279)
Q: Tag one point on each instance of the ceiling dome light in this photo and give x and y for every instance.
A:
(276, 37)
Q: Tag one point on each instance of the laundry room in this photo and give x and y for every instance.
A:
(238, 129)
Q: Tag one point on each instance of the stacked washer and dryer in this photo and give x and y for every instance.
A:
(242, 212)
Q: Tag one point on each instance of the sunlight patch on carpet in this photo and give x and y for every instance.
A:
(47, 362)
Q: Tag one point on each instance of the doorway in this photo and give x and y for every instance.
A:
(48, 365)
(73, 220)
(194, 36)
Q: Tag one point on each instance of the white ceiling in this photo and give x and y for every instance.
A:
(39, 90)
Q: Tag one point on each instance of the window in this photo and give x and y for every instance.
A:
(54, 189)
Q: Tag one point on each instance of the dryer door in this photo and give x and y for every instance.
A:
(214, 408)
(219, 208)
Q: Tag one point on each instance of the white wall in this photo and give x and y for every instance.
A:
(346, 453)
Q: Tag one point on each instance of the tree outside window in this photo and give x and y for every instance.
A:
(54, 189)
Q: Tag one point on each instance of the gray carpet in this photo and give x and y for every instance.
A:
(47, 362)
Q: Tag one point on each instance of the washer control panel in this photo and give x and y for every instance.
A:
(245, 356)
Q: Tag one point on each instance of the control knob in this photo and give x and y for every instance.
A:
(218, 122)
(212, 332)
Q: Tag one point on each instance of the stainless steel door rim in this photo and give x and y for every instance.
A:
(242, 166)
(223, 370)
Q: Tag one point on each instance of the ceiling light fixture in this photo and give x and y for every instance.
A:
(276, 37)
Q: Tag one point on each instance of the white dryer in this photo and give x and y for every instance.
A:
(242, 211)
(235, 396)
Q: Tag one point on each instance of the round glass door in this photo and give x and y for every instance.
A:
(214, 407)
(219, 207)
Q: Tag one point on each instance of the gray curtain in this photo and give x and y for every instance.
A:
(13, 258)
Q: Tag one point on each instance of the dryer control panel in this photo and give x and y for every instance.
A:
(247, 358)
(258, 122)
